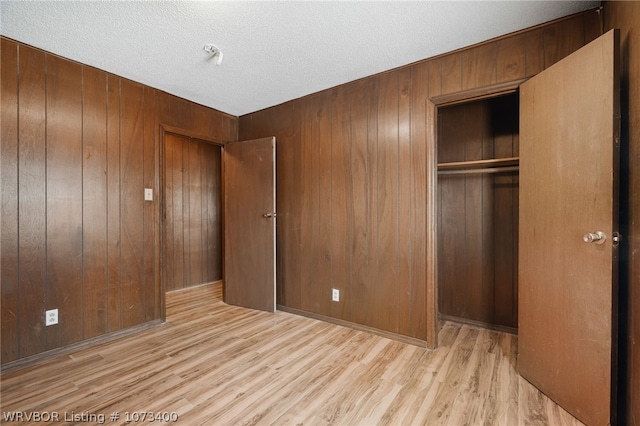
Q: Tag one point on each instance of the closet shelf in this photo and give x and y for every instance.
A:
(494, 165)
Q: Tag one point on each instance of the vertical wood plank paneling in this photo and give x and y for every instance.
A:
(505, 206)
(405, 201)
(114, 264)
(479, 66)
(325, 256)
(181, 220)
(419, 93)
(593, 26)
(309, 301)
(9, 332)
(374, 252)
(186, 209)
(534, 51)
(341, 193)
(499, 61)
(151, 208)
(176, 218)
(74, 190)
(179, 177)
(451, 73)
(169, 188)
(284, 174)
(287, 123)
(388, 171)
(562, 38)
(194, 213)
(435, 80)
(205, 170)
(295, 125)
(451, 211)
(64, 200)
(94, 201)
(132, 202)
(203, 122)
(478, 298)
(32, 178)
(511, 58)
(488, 213)
(361, 288)
(215, 213)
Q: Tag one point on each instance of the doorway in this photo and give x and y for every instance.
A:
(192, 211)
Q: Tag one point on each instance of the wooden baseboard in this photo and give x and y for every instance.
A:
(53, 353)
(355, 326)
(481, 324)
(195, 287)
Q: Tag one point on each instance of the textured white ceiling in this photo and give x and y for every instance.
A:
(273, 51)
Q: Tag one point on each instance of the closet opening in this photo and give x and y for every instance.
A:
(477, 212)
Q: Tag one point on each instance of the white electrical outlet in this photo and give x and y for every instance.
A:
(335, 295)
(148, 194)
(51, 317)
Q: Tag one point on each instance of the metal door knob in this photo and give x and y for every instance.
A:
(269, 215)
(598, 237)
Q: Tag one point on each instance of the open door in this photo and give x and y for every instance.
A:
(569, 155)
(250, 224)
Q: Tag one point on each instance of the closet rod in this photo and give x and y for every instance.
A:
(480, 170)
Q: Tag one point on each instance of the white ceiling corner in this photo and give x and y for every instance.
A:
(274, 51)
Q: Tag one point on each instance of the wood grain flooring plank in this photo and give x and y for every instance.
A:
(217, 364)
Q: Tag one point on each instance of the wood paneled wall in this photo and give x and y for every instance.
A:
(78, 147)
(193, 212)
(626, 16)
(351, 192)
(478, 214)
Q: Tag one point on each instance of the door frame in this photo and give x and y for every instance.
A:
(433, 104)
(161, 238)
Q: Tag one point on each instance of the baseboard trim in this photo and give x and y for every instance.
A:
(481, 324)
(383, 333)
(65, 350)
(195, 287)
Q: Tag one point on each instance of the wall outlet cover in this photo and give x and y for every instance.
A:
(51, 317)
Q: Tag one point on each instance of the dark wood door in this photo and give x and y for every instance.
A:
(569, 150)
(250, 224)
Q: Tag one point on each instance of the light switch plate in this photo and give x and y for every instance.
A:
(148, 194)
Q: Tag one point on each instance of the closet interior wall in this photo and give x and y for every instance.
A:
(478, 213)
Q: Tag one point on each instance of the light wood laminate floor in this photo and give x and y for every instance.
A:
(215, 364)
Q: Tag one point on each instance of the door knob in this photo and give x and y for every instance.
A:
(269, 215)
(598, 237)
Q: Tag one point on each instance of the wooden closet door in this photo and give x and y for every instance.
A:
(569, 154)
